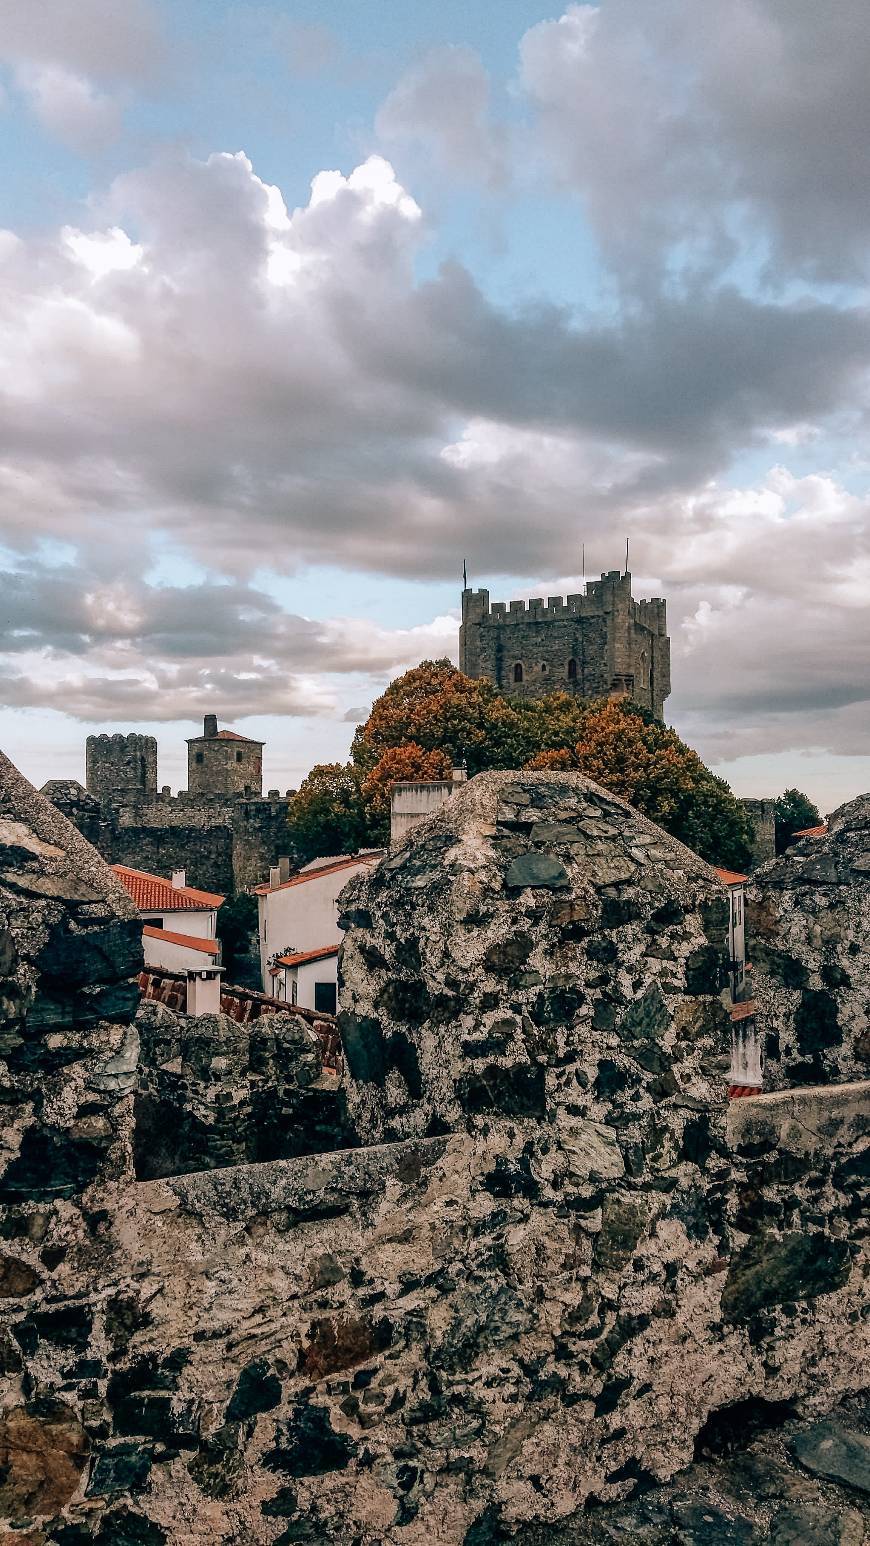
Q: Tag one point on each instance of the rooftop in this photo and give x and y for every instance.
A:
(152, 893)
(730, 877)
(209, 947)
(301, 957)
(369, 857)
(225, 735)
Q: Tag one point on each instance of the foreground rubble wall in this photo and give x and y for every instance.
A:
(532, 1302)
(809, 924)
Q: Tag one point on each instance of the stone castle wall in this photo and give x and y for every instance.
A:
(119, 765)
(534, 1304)
(591, 645)
(809, 922)
(222, 845)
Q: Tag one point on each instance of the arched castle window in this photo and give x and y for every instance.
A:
(543, 668)
(518, 672)
(572, 670)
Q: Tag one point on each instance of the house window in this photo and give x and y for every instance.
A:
(518, 672)
(324, 997)
(238, 756)
(198, 757)
(294, 989)
(572, 670)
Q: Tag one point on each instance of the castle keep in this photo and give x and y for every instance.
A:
(599, 643)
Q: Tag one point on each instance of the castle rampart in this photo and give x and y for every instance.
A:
(121, 764)
(221, 831)
(590, 644)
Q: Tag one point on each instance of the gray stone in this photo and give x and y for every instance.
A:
(838, 1453)
(535, 869)
(815, 1524)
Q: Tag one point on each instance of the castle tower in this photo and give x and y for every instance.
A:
(221, 762)
(593, 645)
(119, 767)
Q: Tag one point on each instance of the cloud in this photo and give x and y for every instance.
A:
(442, 104)
(266, 387)
(699, 134)
(96, 646)
(75, 64)
(70, 108)
(97, 39)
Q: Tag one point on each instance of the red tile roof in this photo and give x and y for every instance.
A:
(226, 735)
(730, 877)
(210, 947)
(327, 869)
(301, 956)
(820, 831)
(744, 1011)
(152, 893)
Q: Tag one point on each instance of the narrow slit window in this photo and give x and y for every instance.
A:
(518, 672)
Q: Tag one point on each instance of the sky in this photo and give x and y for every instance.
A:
(304, 303)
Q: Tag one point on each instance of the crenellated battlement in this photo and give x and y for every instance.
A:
(598, 641)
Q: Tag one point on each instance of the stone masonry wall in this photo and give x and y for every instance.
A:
(443, 1338)
(214, 1093)
(223, 845)
(809, 922)
(536, 949)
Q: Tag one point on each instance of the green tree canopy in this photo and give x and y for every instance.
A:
(327, 814)
(794, 812)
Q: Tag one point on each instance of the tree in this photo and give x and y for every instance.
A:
(236, 929)
(327, 814)
(397, 765)
(627, 751)
(436, 708)
(793, 812)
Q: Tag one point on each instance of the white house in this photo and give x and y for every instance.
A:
(307, 978)
(736, 886)
(746, 1074)
(299, 919)
(179, 921)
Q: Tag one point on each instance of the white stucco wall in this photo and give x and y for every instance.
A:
(170, 957)
(301, 917)
(202, 924)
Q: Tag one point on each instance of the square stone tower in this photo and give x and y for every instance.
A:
(222, 762)
(591, 645)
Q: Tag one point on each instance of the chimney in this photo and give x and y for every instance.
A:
(209, 726)
(274, 877)
(284, 869)
(179, 880)
(204, 991)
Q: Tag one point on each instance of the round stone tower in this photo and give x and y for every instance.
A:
(121, 766)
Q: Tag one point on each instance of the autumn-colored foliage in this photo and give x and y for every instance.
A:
(397, 765)
(433, 718)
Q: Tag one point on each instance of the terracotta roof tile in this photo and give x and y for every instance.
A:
(327, 869)
(210, 947)
(301, 956)
(152, 893)
(730, 877)
(820, 831)
(226, 735)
